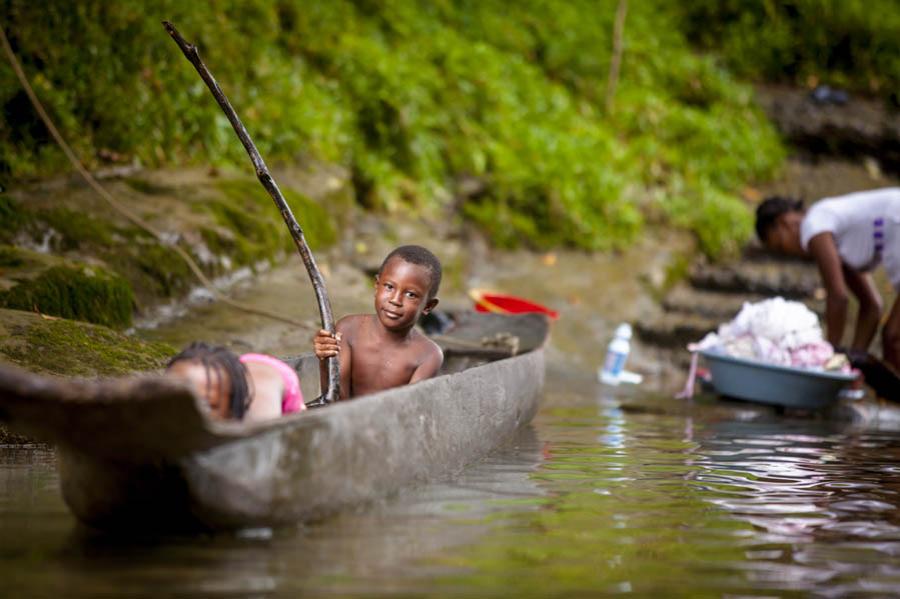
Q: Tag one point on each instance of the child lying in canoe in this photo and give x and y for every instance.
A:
(383, 350)
(249, 387)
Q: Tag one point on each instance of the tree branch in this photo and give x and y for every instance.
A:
(618, 47)
(332, 393)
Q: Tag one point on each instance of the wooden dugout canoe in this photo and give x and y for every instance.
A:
(139, 452)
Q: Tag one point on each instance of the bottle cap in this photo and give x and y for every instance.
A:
(623, 331)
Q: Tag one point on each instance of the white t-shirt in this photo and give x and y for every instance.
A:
(858, 221)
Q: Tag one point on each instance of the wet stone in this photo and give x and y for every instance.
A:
(857, 127)
(789, 279)
(716, 304)
(675, 330)
(715, 293)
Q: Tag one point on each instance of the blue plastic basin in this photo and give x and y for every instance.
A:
(772, 384)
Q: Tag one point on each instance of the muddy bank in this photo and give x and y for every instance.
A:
(65, 251)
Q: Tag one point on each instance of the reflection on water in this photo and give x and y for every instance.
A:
(604, 494)
(823, 504)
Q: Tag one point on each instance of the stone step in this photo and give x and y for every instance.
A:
(718, 305)
(789, 279)
(855, 127)
(674, 330)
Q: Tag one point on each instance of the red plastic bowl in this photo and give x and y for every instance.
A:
(487, 301)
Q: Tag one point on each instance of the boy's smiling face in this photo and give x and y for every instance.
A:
(401, 294)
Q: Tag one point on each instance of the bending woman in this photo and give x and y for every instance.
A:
(848, 236)
(249, 387)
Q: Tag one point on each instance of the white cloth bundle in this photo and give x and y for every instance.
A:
(776, 331)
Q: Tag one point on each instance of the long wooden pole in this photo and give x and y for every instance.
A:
(332, 393)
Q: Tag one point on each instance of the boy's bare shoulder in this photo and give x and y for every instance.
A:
(427, 345)
(350, 323)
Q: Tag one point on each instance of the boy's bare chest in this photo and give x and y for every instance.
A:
(380, 366)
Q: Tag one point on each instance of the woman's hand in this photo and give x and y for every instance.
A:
(327, 345)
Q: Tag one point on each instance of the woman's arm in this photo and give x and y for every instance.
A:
(870, 307)
(824, 250)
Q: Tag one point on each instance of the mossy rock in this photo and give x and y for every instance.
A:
(154, 269)
(129, 269)
(13, 218)
(76, 229)
(252, 213)
(87, 293)
(64, 347)
(147, 187)
(11, 257)
(244, 234)
(49, 345)
(18, 265)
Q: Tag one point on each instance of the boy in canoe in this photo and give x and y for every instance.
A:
(384, 350)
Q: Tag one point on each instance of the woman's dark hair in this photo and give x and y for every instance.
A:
(221, 361)
(770, 209)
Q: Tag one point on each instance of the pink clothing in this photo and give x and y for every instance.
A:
(292, 398)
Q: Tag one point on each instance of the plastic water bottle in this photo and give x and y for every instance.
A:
(616, 354)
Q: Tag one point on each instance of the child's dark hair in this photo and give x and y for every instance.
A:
(770, 209)
(220, 360)
(416, 254)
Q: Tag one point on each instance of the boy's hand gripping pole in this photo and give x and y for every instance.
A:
(332, 392)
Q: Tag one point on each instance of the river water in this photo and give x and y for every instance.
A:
(608, 491)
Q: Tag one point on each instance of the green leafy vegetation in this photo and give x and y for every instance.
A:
(412, 97)
(853, 44)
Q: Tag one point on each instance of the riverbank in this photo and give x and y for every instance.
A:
(65, 251)
(65, 246)
(517, 118)
(712, 293)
